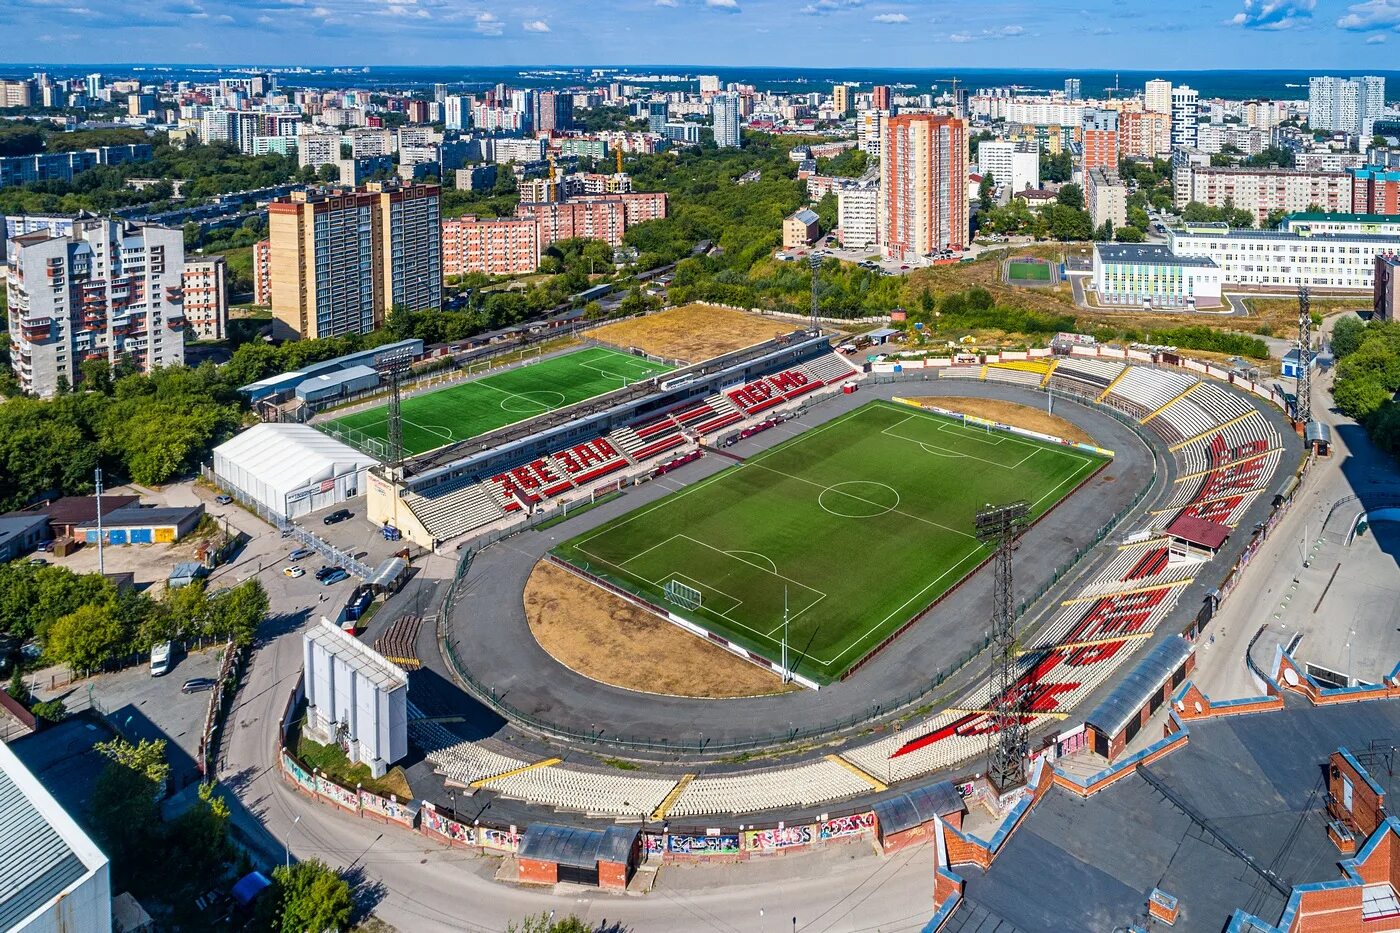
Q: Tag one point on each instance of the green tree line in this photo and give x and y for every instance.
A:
(1368, 377)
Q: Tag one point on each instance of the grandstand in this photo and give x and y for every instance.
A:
(1081, 644)
(570, 452)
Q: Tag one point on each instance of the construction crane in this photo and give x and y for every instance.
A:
(617, 151)
(954, 82)
(553, 183)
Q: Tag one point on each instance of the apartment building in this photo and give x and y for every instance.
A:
(598, 217)
(1014, 166)
(870, 130)
(1262, 191)
(1344, 105)
(63, 166)
(1144, 133)
(1185, 116)
(493, 246)
(923, 185)
(340, 258)
(1106, 197)
(1157, 96)
(262, 273)
(17, 93)
(317, 149)
(725, 108)
(110, 290)
(206, 297)
(518, 150)
(1278, 259)
(1099, 140)
(1375, 190)
(858, 214)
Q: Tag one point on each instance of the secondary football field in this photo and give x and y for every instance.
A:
(854, 527)
(481, 405)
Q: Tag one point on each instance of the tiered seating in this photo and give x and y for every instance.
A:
(724, 415)
(829, 368)
(1222, 405)
(1017, 375)
(960, 371)
(657, 437)
(464, 762)
(399, 642)
(626, 440)
(1144, 389)
(1186, 417)
(456, 508)
(597, 792)
(583, 463)
(1085, 375)
(799, 786)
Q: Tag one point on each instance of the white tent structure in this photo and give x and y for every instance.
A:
(289, 470)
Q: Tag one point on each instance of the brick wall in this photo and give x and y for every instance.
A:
(533, 871)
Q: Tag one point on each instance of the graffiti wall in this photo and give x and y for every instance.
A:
(843, 826)
(703, 845)
(390, 809)
(336, 794)
(498, 839)
(773, 840)
(455, 832)
(299, 774)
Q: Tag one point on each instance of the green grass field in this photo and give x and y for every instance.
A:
(1028, 272)
(859, 524)
(481, 405)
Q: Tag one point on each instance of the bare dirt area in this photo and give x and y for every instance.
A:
(693, 332)
(608, 639)
(1020, 416)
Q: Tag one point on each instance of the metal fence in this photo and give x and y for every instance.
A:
(928, 694)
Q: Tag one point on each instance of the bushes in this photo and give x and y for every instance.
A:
(1368, 376)
(1204, 338)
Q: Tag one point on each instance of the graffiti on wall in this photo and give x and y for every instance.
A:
(703, 845)
(499, 839)
(332, 791)
(846, 825)
(453, 830)
(299, 774)
(771, 840)
(653, 844)
(388, 807)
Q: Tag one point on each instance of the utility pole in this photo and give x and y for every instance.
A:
(787, 674)
(101, 562)
(999, 525)
(815, 262)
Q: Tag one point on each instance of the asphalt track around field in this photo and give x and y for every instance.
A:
(490, 628)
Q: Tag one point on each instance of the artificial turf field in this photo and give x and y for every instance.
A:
(481, 405)
(859, 524)
(1028, 271)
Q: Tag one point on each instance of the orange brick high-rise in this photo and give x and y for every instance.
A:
(923, 185)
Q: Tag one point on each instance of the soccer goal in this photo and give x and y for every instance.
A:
(687, 597)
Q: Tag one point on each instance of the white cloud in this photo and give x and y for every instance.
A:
(1004, 32)
(667, 3)
(961, 37)
(535, 25)
(1273, 14)
(724, 6)
(489, 24)
(1371, 15)
(890, 19)
(1376, 39)
(1012, 30)
(821, 7)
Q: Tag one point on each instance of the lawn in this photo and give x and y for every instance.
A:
(468, 409)
(1028, 272)
(855, 527)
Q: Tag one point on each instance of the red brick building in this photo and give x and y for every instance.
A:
(595, 217)
(606, 858)
(493, 246)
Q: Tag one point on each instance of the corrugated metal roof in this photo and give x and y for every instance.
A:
(577, 847)
(378, 669)
(917, 807)
(387, 572)
(136, 515)
(36, 865)
(1110, 716)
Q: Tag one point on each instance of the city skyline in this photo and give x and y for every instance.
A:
(834, 33)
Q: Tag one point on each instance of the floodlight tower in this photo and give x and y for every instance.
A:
(1303, 406)
(393, 367)
(815, 262)
(999, 525)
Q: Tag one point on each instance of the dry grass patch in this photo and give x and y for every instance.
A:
(601, 636)
(1020, 416)
(693, 332)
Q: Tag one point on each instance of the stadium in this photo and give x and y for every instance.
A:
(754, 578)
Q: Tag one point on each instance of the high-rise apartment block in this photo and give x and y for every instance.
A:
(1263, 191)
(204, 283)
(880, 97)
(1072, 89)
(596, 217)
(262, 273)
(870, 130)
(1343, 105)
(658, 112)
(341, 258)
(841, 99)
(923, 185)
(725, 108)
(1100, 140)
(554, 112)
(1157, 96)
(858, 214)
(1013, 166)
(110, 290)
(493, 245)
(1144, 133)
(1106, 197)
(1375, 189)
(1185, 114)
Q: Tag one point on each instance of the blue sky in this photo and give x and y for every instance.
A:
(1183, 34)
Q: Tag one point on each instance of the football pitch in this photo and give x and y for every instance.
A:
(468, 409)
(853, 528)
(1028, 271)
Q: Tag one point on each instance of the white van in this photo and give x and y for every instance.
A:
(160, 659)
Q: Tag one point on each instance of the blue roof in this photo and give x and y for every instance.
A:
(250, 886)
(1133, 691)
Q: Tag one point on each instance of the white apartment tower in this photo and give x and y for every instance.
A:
(110, 290)
(1185, 110)
(726, 114)
(1157, 96)
(1346, 105)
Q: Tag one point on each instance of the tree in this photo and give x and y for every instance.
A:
(328, 172)
(1347, 335)
(1129, 235)
(827, 212)
(238, 612)
(541, 923)
(1104, 233)
(86, 638)
(124, 807)
(307, 896)
(146, 757)
(986, 191)
(1070, 195)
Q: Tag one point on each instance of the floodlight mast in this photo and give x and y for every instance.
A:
(1009, 739)
(1302, 406)
(393, 368)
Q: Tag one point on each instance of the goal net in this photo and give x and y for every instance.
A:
(687, 597)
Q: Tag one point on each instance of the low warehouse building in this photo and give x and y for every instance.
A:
(135, 524)
(907, 819)
(607, 858)
(329, 387)
(20, 534)
(289, 470)
(1117, 720)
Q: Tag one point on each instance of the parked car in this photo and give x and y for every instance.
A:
(334, 576)
(325, 571)
(197, 684)
(336, 517)
(293, 570)
(222, 499)
(300, 553)
(160, 659)
(37, 561)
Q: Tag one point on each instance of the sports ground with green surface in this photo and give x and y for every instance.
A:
(468, 409)
(1028, 271)
(858, 525)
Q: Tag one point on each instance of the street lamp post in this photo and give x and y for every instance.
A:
(288, 842)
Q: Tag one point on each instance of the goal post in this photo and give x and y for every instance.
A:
(687, 597)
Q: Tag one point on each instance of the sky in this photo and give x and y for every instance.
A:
(1183, 34)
